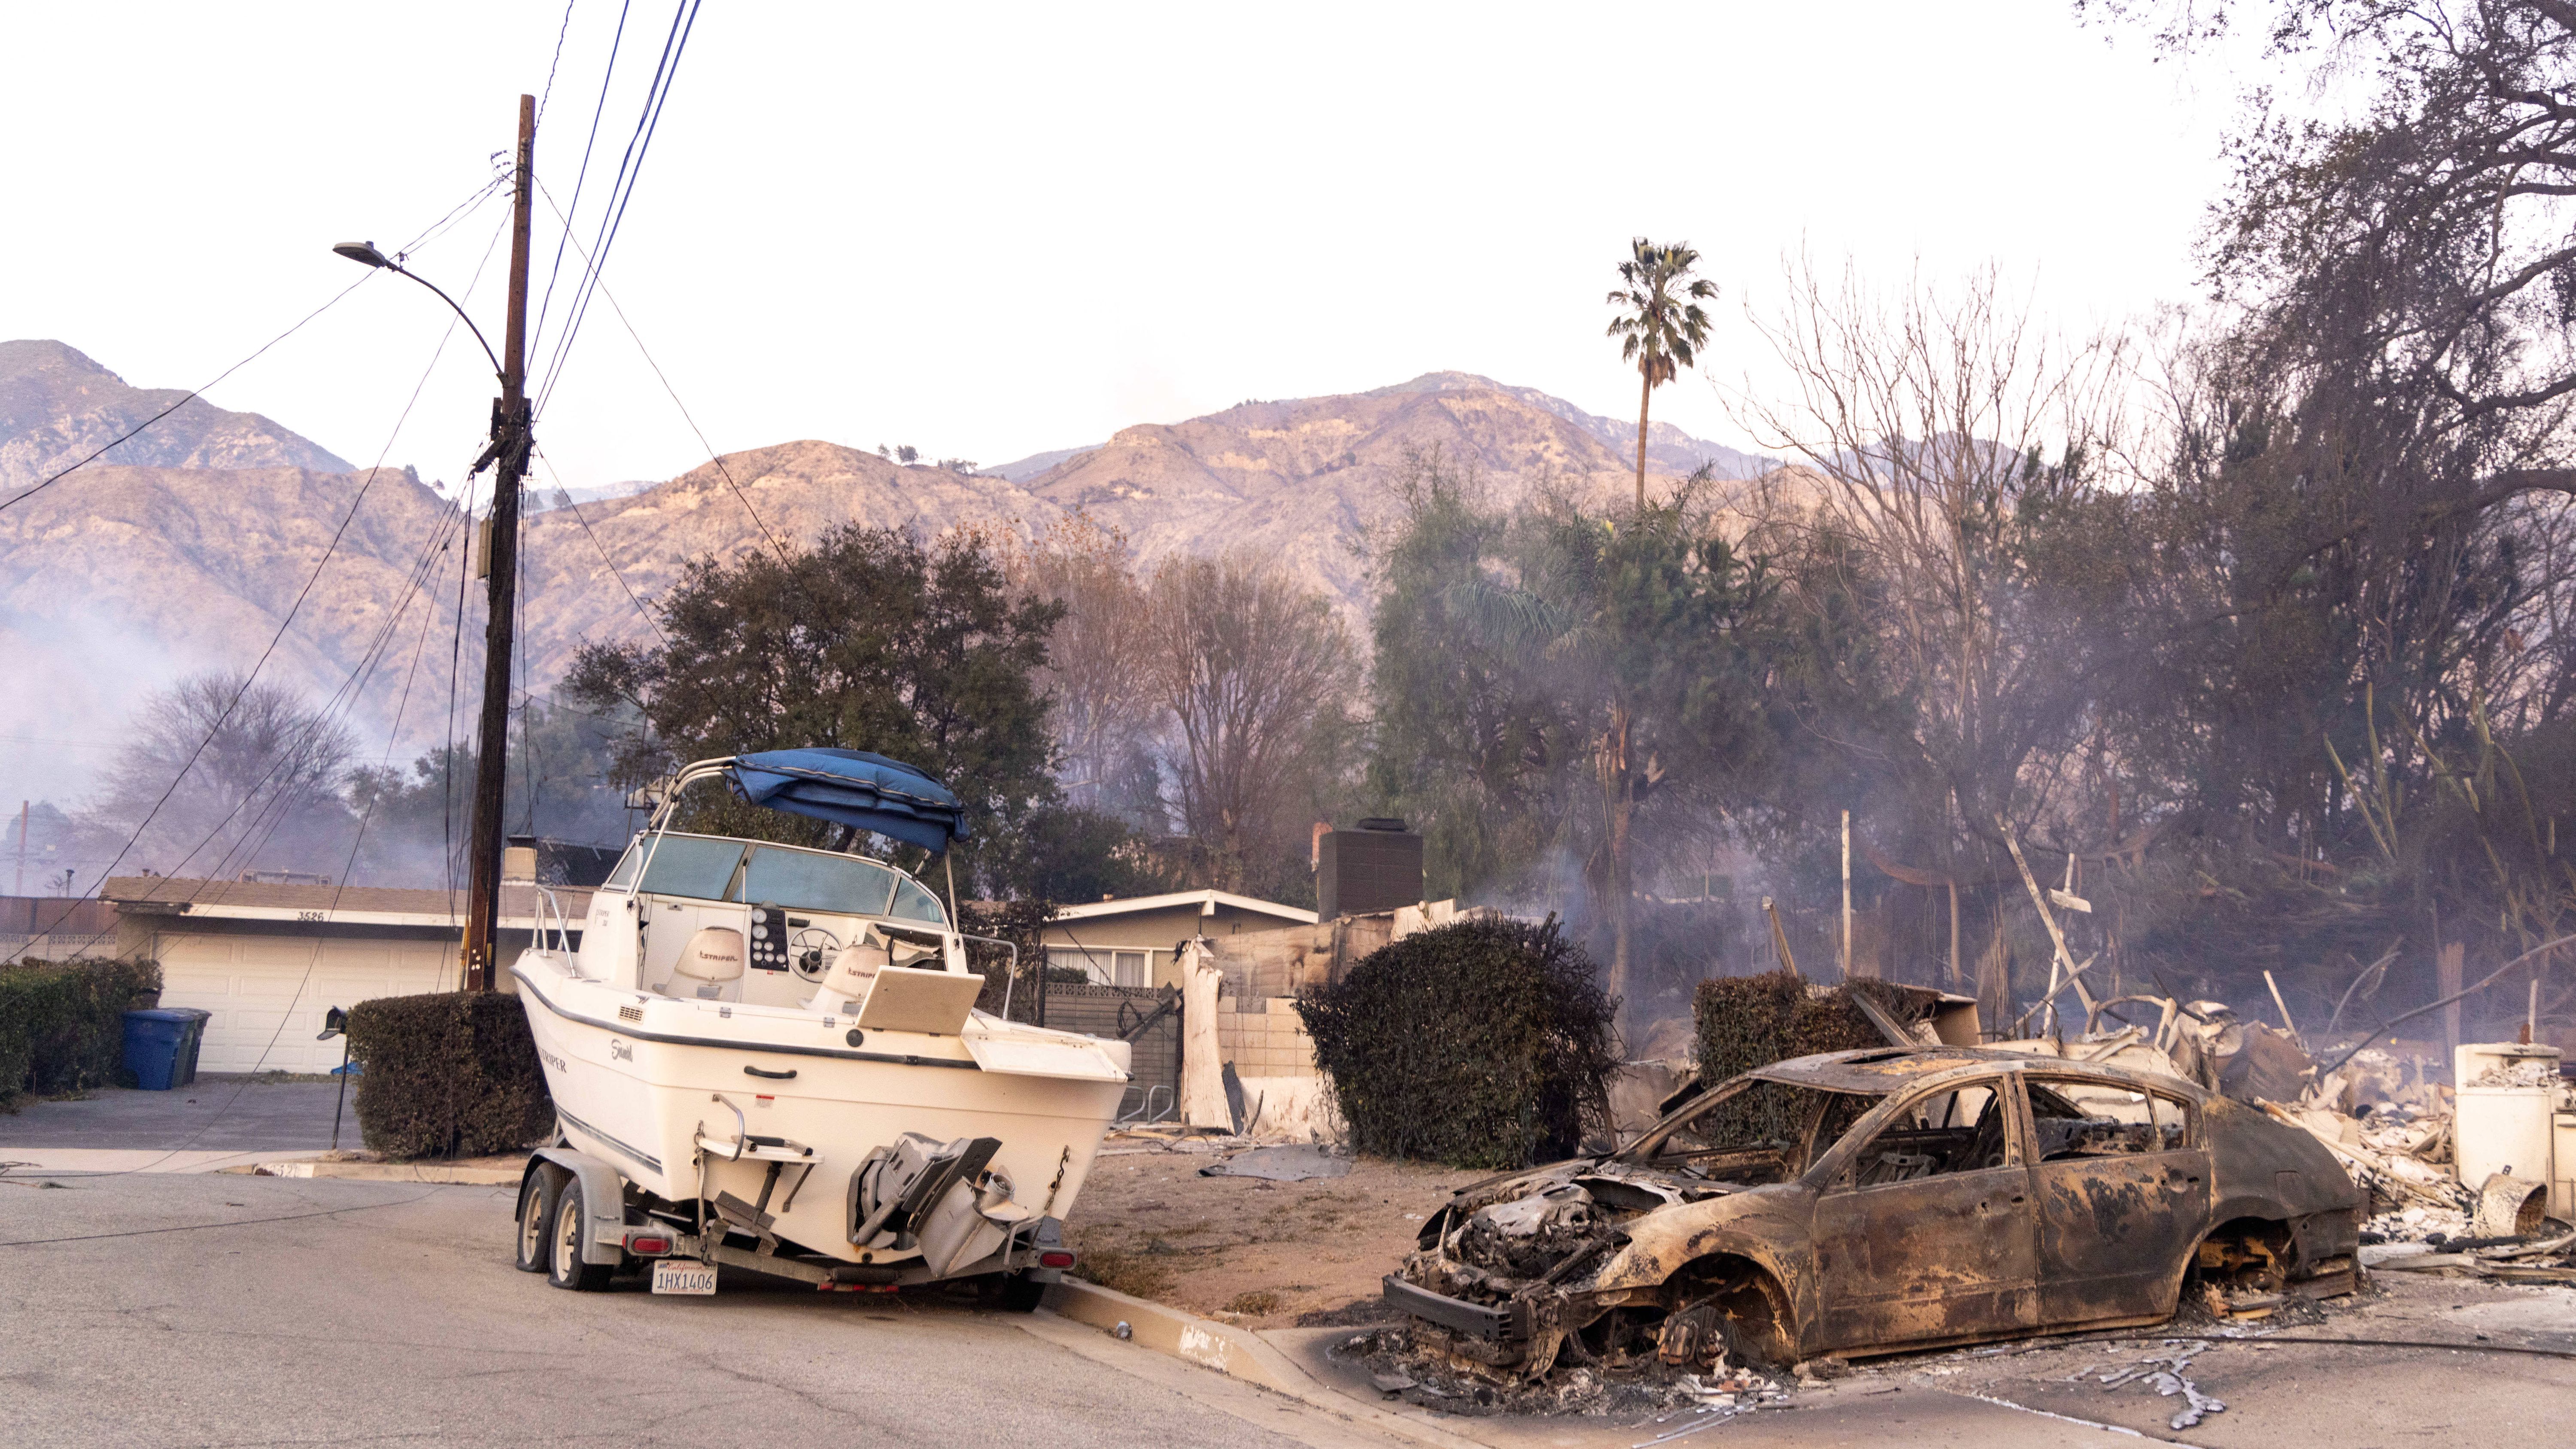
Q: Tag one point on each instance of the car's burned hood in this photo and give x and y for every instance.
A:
(1552, 1222)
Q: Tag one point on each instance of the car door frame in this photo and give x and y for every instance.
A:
(1891, 1237)
(2112, 1248)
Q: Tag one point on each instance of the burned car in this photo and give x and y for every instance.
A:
(1873, 1201)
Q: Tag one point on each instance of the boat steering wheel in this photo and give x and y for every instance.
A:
(810, 952)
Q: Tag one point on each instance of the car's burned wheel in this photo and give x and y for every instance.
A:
(1726, 1305)
(2247, 1256)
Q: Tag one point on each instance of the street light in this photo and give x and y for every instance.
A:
(365, 254)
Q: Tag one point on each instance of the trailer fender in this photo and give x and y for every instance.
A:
(603, 1200)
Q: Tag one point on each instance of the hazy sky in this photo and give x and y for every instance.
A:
(991, 230)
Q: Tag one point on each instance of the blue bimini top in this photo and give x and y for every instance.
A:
(853, 787)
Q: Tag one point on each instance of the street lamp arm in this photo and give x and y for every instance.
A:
(366, 255)
(397, 267)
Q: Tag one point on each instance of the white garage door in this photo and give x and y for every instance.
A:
(268, 993)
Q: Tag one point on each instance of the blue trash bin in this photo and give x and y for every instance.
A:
(161, 1046)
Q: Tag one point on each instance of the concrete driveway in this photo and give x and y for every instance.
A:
(205, 1310)
(214, 1122)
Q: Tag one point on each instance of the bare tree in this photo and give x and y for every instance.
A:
(1250, 666)
(225, 775)
(1108, 701)
(1930, 431)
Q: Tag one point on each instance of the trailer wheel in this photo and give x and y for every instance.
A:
(536, 1213)
(564, 1265)
(1009, 1292)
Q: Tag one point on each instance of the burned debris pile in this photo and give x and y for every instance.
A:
(1408, 1365)
(1482, 1044)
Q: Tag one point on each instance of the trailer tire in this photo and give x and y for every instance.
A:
(565, 1267)
(536, 1216)
(1010, 1293)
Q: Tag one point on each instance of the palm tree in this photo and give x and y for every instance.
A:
(1660, 325)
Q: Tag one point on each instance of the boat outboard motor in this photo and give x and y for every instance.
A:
(937, 1197)
(896, 1186)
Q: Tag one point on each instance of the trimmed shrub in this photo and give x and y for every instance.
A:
(62, 1024)
(450, 1074)
(1752, 1021)
(1483, 1044)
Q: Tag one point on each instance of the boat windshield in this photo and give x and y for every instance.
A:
(687, 865)
(703, 869)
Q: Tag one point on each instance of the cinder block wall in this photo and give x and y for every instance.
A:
(1266, 1041)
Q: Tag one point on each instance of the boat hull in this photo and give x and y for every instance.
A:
(641, 1080)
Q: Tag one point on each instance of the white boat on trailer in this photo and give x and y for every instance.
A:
(768, 1056)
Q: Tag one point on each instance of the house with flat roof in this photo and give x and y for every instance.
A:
(269, 959)
(1136, 941)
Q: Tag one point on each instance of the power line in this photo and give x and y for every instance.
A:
(547, 94)
(630, 170)
(616, 44)
(685, 415)
(288, 621)
(453, 216)
(613, 571)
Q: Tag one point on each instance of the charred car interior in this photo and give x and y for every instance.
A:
(1876, 1201)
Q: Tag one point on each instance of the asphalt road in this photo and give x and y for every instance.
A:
(218, 1310)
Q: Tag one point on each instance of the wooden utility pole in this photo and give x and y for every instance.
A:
(509, 456)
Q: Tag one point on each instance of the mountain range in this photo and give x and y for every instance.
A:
(184, 548)
(57, 406)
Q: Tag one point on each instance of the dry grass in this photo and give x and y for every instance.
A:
(1139, 1275)
(1258, 1252)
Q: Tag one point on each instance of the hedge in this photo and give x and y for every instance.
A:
(62, 1024)
(1483, 1044)
(1752, 1021)
(450, 1074)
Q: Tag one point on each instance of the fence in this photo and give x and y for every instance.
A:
(1149, 1020)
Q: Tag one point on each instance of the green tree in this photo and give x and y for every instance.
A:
(1661, 327)
(870, 640)
(1641, 635)
(1466, 746)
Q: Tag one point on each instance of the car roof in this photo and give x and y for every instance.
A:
(1889, 1069)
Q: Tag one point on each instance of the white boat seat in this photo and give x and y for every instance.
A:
(853, 971)
(709, 965)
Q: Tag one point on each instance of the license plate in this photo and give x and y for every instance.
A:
(679, 1275)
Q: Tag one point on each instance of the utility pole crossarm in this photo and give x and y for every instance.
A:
(510, 447)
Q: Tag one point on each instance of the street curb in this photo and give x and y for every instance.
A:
(1234, 1352)
(385, 1172)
